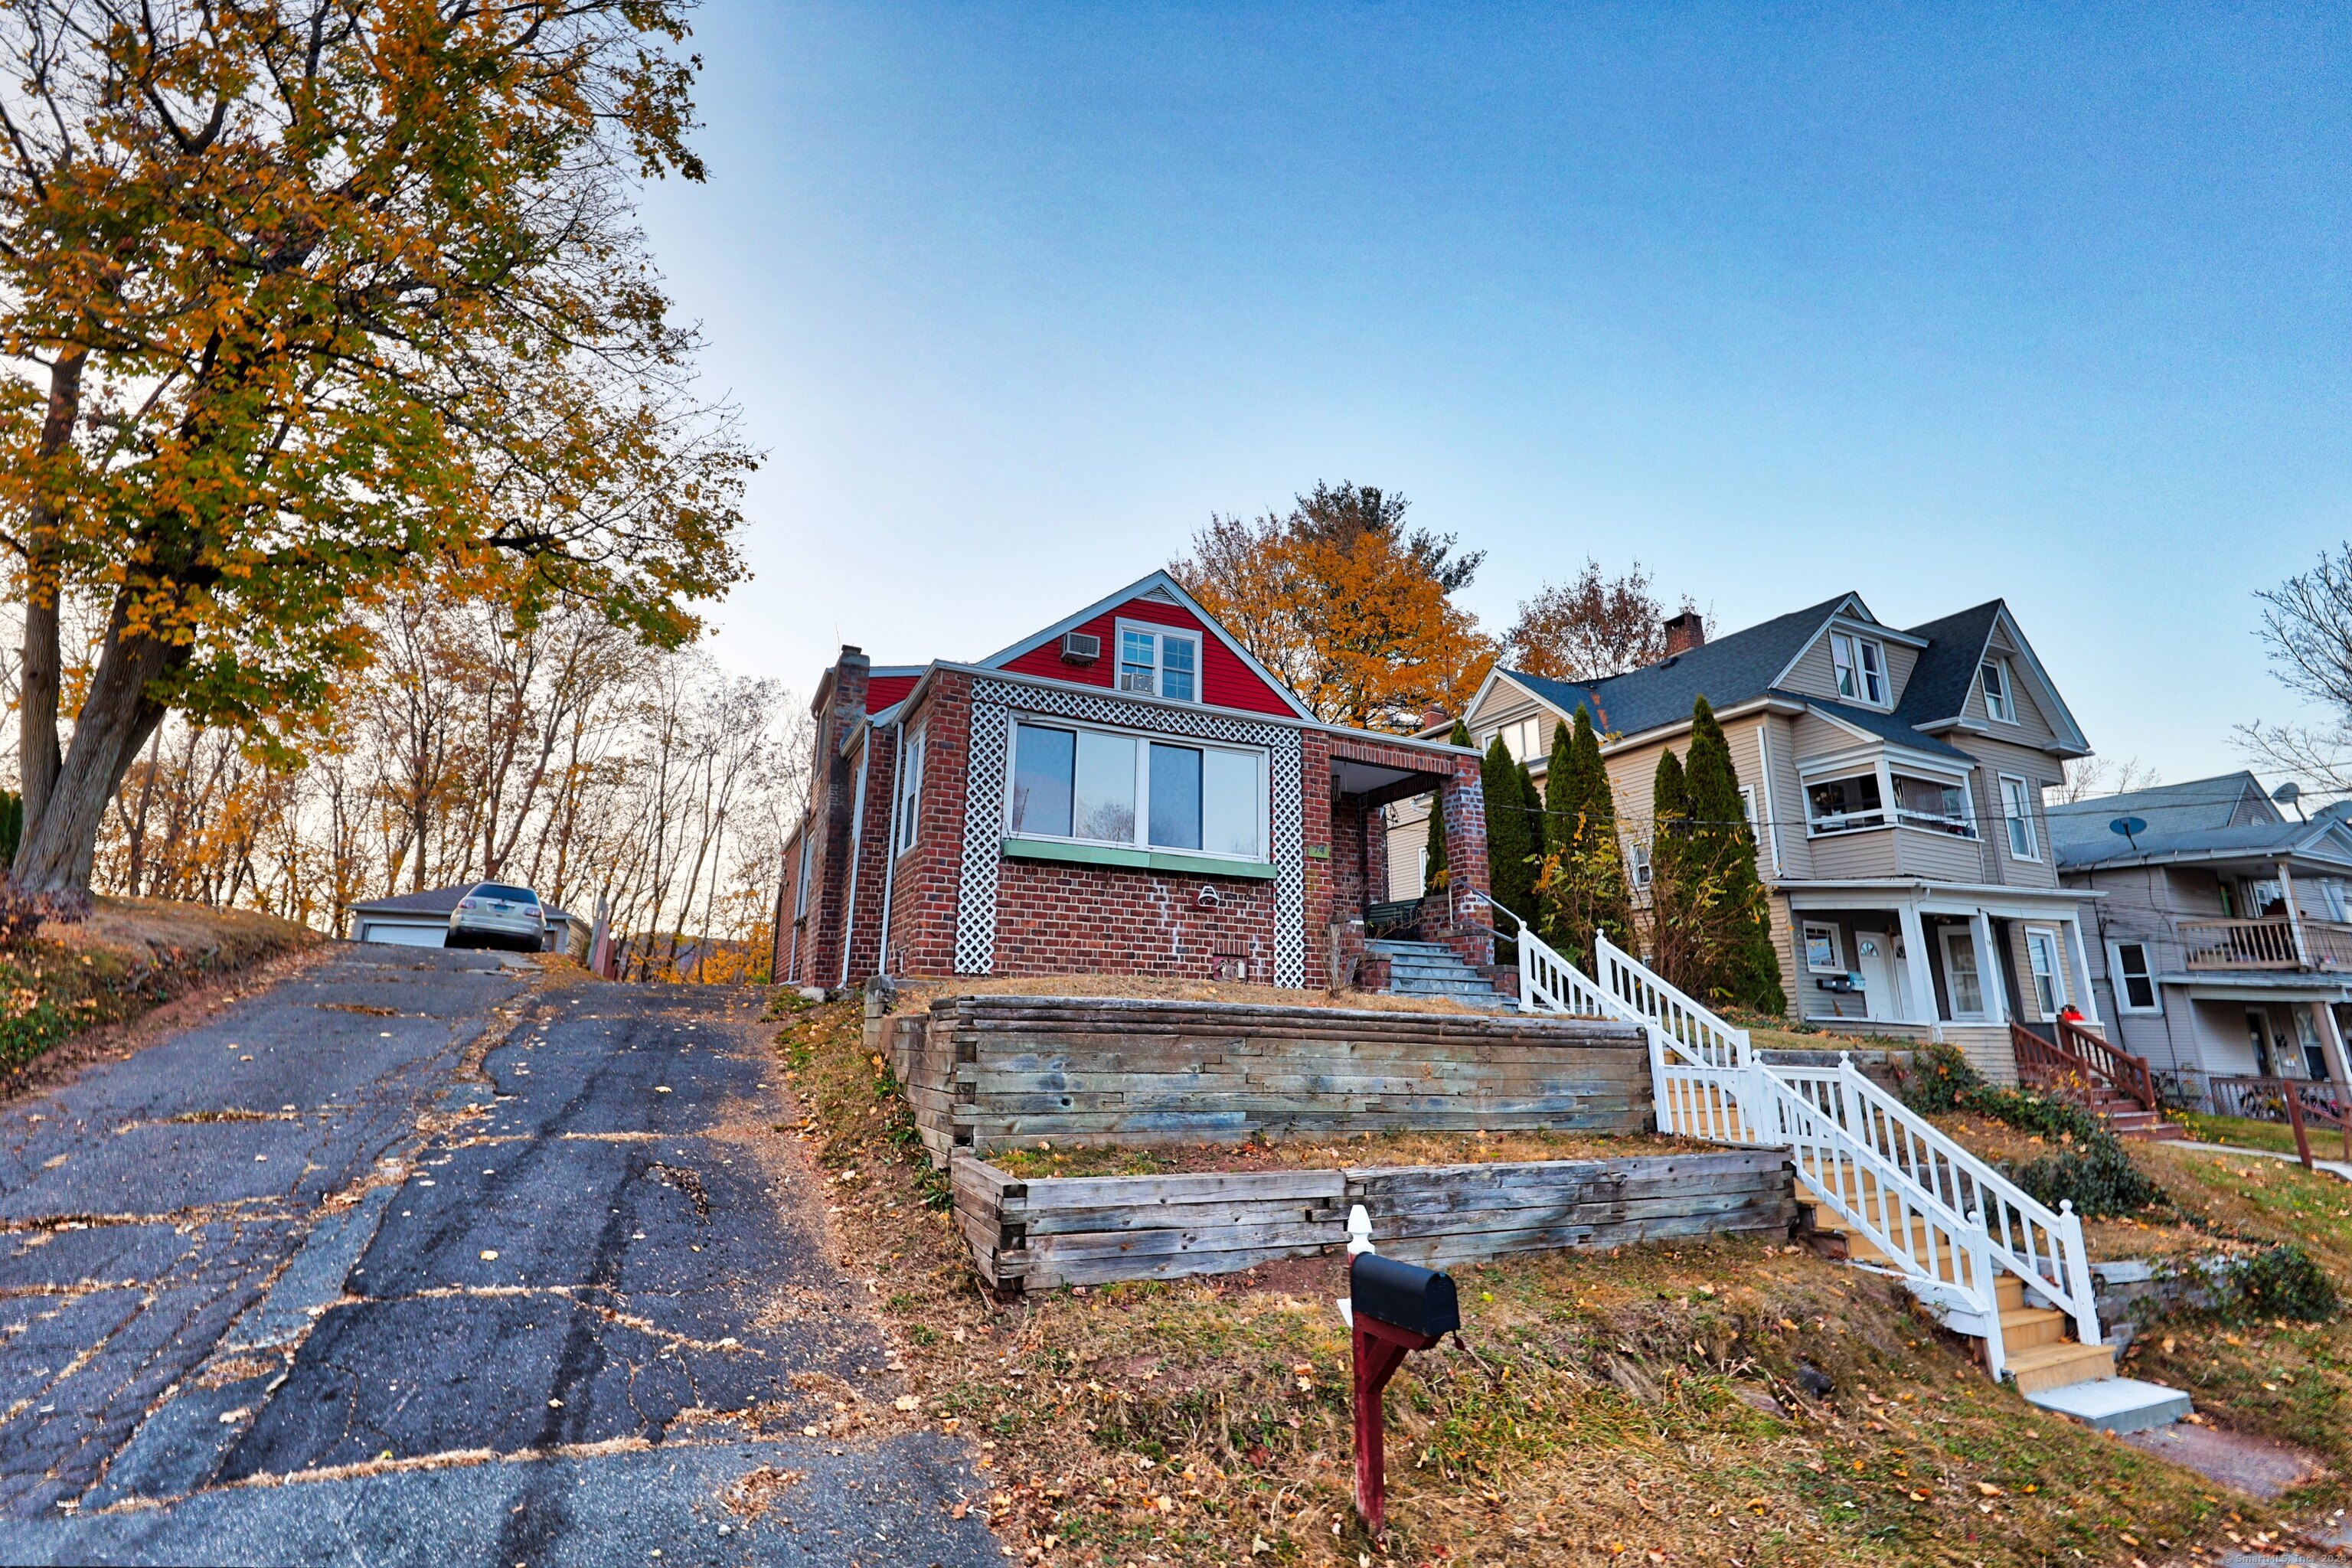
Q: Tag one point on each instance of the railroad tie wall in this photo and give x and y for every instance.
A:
(1042, 1234)
(985, 1073)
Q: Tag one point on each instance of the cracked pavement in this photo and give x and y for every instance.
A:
(420, 1256)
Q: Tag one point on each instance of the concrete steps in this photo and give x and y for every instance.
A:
(1433, 969)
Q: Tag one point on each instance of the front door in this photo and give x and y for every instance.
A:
(1960, 976)
(1883, 994)
(2258, 1026)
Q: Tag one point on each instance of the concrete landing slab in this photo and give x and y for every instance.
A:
(2260, 1467)
(2115, 1403)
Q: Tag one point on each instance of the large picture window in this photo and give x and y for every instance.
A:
(1109, 787)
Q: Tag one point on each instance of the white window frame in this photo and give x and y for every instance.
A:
(1160, 635)
(801, 883)
(1144, 740)
(1837, 947)
(2004, 712)
(2056, 974)
(1848, 821)
(1957, 939)
(2331, 892)
(1863, 661)
(1423, 885)
(1637, 858)
(1962, 827)
(2016, 812)
(911, 790)
(1522, 737)
(2120, 977)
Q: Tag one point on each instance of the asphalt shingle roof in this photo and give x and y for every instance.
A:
(1947, 671)
(2194, 818)
(1729, 669)
(1886, 726)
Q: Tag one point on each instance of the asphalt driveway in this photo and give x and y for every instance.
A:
(418, 1258)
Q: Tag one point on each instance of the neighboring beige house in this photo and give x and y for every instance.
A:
(1895, 778)
(2224, 927)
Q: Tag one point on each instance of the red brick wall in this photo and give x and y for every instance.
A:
(873, 841)
(923, 888)
(1058, 918)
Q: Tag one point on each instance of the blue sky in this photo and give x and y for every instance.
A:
(1939, 303)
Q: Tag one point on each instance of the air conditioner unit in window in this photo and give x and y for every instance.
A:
(1080, 648)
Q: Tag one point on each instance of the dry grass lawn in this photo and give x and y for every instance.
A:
(1643, 1407)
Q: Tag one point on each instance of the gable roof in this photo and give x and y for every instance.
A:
(1946, 673)
(1158, 585)
(438, 901)
(2228, 816)
(1733, 669)
(1887, 727)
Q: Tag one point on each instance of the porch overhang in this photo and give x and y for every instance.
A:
(1937, 897)
(2261, 988)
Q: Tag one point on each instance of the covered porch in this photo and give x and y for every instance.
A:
(1367, 774)
(1939, 961)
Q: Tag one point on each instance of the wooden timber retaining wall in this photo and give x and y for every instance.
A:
(991, 1072)
(1085, 1230)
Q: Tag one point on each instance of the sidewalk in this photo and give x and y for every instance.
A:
(2340, 1169)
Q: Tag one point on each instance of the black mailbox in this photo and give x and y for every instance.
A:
(1419, 1300)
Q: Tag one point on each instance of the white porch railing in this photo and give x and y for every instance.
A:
(1947, 1222)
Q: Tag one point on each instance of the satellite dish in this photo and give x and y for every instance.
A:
(2129, 826)
(2288, 793)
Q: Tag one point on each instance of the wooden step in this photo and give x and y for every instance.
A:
(2055, 1365)
(2023, 1327)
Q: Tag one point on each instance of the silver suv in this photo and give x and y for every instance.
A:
(495, 915)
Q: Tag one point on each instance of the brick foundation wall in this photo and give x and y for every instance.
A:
(1057, 918)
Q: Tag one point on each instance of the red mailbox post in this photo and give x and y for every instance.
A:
(1395, 1309)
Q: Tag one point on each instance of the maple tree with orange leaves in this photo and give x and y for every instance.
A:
(1350, 607)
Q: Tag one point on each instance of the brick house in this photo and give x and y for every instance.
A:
(1126, 791)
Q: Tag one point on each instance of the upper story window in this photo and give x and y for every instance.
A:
(910, 791)
(1998, 703)
(2017, 808)
(2134, 978)
(1861, 665)
(1934, 804)
(2331, 889)
(1523, 738)
(1841, 805)
(1157, 661)
(1105, 786)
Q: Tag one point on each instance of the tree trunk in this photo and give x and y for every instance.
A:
(36, 712)
(116, 719)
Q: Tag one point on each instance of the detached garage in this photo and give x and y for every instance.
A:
(422, 919)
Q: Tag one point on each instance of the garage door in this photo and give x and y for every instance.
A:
(406, 934)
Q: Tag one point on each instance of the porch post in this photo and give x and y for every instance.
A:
(2089, 1001)
(1996, 989)
(2331, 1041)
(1923, 979)
(2294, 916)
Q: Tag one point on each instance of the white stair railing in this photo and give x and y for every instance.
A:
(1947, 1221)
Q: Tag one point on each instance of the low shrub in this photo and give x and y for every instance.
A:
(2089, 1169)
(2284, 1281)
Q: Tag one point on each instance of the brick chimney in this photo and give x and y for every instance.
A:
(1434, 718)
(1684, 632)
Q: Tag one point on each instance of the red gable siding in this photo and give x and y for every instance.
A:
(884, 689)
(1225, 680)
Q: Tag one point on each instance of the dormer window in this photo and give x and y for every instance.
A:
(1156, 661)
(1998, 703)
(1861, 664)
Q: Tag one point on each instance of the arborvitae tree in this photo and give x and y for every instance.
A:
(1669, 923)
(1435, 877)
(1531, 801)
(1508, 844)
(1584, 878)
(1739, 965)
